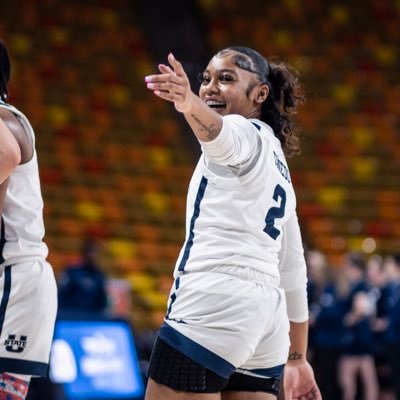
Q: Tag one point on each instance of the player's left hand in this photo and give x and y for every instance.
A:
(299, 382)
(172, 84)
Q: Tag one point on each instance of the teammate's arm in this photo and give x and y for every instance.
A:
(173, 85)
(10, 154)
(21, 136)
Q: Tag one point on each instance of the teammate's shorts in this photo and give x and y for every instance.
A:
(28, 307)
(228, 323)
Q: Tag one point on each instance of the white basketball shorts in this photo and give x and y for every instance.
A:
(28, 307)
(228, 323)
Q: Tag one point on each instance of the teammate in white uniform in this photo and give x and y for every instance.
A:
(238, 307)
(28, 294)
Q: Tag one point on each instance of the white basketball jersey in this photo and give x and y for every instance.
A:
(240, 197)
(22, 227)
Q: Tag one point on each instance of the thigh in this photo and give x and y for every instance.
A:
(368, 370)
(156, 391)
(27, 313)
(247, 383)
(348, 369)
(247, 396)
(367, 365)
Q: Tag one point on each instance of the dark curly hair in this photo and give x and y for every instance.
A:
(5, 71)
(284, 94)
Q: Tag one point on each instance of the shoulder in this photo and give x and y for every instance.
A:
(243, 126)
(10, 118)
(239, 122)
(11, 121)
(16, 128)
(263, 127)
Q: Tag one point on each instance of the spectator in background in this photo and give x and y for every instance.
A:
(82, 286)
(392, 336)
(318, 271)
(317, 279)
(357, 360)
(380, 293)
(329, 334)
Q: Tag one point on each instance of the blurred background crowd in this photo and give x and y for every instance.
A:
(115, 162)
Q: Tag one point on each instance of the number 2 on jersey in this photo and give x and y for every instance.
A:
(275, 212)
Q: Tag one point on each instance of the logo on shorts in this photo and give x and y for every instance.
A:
(15, 345)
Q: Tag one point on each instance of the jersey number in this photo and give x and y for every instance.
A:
(275, 212)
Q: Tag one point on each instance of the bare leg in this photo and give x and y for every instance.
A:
(252, 395)
(155, 391)
(247, 396)
(369, 378)
(348, 368)
(387, 395)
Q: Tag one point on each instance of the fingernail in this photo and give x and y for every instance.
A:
(147, 78)
(150, 85)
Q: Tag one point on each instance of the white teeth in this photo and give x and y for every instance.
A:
(212, 103)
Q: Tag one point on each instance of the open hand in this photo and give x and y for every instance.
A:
(299, 382)
(172, 84)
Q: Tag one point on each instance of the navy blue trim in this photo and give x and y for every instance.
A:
(173, 296)
(2, 240)
(196, 213)
(23, 367)
(256, 125)
(6, 295)
(273, 372)
(196, 352)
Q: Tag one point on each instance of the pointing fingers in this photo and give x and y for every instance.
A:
(166, 69)
(171, 84)
(176, 65)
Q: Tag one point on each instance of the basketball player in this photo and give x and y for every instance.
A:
(240, 279)
(28, 294)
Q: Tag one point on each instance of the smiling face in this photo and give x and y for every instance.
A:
(228, 89)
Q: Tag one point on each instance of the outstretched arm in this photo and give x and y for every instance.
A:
(172, 84)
